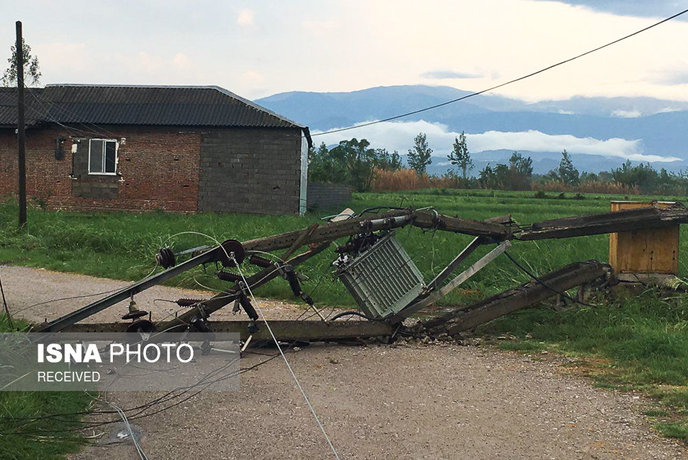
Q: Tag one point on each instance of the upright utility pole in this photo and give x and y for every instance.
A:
(20, 126)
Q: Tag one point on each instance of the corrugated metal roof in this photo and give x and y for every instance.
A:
(33, 111)
(140, 105)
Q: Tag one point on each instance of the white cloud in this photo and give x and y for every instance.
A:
(252, 77)
(181, 61)
(319, 27)
(669, 109)
(399, 136)
(245, 17)
(448, 75)
(148, 63)
(359, 44)
(627, 113)
(61, 56)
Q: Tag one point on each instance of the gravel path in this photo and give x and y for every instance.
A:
(420, 401)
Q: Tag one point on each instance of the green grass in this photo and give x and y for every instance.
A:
(48, 438)
(639, 343)
(122, 246)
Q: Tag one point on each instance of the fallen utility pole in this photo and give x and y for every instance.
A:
(314, 235)
(523, 296)
(611, 222)
(286, 330)
(204, 308)
(376, 270)
(389, 220)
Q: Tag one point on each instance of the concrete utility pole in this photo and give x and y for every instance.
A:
(21, 149)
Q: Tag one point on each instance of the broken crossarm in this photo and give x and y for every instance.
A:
(438, 293)
(204, 308)
(522, 296)
(454, 264)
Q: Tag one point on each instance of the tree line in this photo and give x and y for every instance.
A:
(356, 163)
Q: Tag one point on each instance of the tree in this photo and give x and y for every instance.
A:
(31, 71)
(387, 161)
(350, 162)
(420, 156)
(358, 160)
(322, 167)
(518, 173)
(487, 177)
(460, 156)
(567, 173)
(521, 165)
(643, 176)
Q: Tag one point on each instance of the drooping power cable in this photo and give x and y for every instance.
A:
(501, 85)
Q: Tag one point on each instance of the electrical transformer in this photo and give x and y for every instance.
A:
(383, 279)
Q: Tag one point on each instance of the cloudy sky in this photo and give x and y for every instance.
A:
(398, 136)
(258, 48)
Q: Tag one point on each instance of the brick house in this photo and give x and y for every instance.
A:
(136, 148)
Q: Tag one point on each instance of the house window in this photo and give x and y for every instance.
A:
(102, 156)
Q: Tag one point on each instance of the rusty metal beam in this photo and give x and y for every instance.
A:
(454, 264)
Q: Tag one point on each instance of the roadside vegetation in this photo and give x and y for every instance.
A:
(26, 428)
(364, 168)
(123, 245)
(638, 344)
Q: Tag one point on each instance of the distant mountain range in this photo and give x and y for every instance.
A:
(640, 128)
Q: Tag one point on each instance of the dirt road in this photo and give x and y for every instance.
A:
(420, 401)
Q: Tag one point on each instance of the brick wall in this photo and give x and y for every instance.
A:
(157, 169)
(220, 170)
(250, 171)
(46, 176)
(327, 196)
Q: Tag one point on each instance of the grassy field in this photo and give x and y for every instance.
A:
(639, 343)
(25, 434)
(122, 246)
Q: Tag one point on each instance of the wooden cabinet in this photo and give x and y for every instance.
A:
(644, 251)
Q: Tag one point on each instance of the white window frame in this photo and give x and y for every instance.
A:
(105, 141)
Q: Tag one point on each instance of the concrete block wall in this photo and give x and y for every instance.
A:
(250, 170)
(327, 196)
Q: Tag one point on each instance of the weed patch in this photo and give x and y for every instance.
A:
(27, 431)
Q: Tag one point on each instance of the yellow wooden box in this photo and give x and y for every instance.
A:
(644, 251)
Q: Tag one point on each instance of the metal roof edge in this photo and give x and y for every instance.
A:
(227, 92)
(219, 89)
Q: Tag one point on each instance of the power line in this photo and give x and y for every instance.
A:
(542, 283)
(523, 77)
(274, 339)
(281, 352)
(49, 106)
